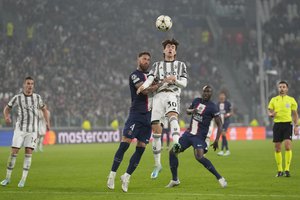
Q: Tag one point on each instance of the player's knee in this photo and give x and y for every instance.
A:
(127, 140)
(173, 118)
(199, 155)
(141, 144)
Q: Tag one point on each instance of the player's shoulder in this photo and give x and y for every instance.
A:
(180, 62)
(136, 76)
(197, 99)
(36, 95)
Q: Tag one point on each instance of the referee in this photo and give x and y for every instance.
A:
(283, 109)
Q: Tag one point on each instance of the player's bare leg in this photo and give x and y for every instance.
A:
(10, 165)
(156, 148)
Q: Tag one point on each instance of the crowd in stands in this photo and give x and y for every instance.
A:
(81, 52)
(280, 21)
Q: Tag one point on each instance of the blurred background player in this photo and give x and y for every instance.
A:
(138, 124)
(42, 130)
(26, 128)
(283, 109)
(225, 113)
(165, 131)
(203, 111)
(172, 77)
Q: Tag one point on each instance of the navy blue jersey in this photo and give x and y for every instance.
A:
(224, 108)
(200, 121)
(139, 103)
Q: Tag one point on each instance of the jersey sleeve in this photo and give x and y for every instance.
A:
(183, 72)
(193, 104)
(294, 105)
(216, 111)
(41, 103)
(271, 104)
(153, 72)
(12, 102)
(229, 107)
(135, 79)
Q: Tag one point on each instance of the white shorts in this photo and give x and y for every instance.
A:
(163, 103)
(25, 139)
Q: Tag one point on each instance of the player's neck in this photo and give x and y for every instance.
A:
(27, 93)
(169, 59)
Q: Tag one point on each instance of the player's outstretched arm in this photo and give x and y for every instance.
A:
(145, 85)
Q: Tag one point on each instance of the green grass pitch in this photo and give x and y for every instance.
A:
(80, 172)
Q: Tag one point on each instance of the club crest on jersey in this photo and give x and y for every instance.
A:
(201, 108)
(134, 78)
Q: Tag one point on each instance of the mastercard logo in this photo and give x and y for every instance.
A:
(50, 138)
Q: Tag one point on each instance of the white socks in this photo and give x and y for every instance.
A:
(26, 165)
(11, 164)
(156, 148)
(175, 129)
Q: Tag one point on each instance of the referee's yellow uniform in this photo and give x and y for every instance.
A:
(283, 106)
(283, 128)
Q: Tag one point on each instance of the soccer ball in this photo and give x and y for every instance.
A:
(163, 23)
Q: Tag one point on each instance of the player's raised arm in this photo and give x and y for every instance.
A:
(145, 85)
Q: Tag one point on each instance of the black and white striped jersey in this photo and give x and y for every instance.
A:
(163, 69)
(28, 111)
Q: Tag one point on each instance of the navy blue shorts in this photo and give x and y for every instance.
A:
(225, 126)
(197, 141)
(138, 126)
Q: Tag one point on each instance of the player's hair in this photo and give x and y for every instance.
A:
(206, 87)
(28, 78)
(283, 82)
(144, 53)
(172, 41)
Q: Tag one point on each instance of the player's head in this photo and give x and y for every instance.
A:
(222, 97)
(206, 92)
(283, 87)
(28, 85)
(144, 61)
(170, 49)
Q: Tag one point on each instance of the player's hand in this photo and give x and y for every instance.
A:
(296, 130)
(272, 114)
(140, 89)
(191, 111)
(215, 145)
(47, 127)
(7, 120)
(170, 79)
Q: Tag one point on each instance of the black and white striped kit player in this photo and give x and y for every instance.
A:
(26, 129)
(171, 76)
(27, 119)
(167, 93)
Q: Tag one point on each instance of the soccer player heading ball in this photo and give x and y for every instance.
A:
(172, 77)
